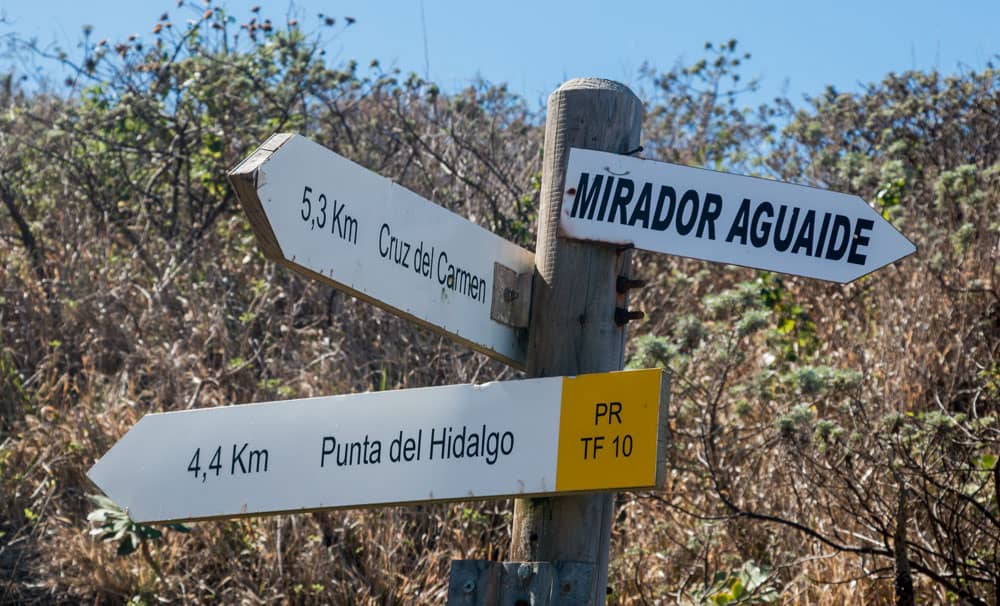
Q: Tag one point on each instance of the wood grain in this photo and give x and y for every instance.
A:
(573, 330)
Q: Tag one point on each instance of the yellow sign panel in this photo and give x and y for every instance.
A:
(609, 429)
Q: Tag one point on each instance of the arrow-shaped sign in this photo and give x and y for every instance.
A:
(328, 218)
(533, 437)
(725, 218)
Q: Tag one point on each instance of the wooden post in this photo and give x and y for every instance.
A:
(573, 328)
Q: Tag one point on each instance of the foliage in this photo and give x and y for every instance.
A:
(115, 525)
(696, 115)
(831, 444)
(746, 585)
(861, 419)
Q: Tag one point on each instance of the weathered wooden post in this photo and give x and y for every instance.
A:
(574, 328)
(560, 545)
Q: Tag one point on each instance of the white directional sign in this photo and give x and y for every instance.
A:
(539, 436)
(725, 218)
(329, 218)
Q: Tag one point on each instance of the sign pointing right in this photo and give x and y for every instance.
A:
(725, 218)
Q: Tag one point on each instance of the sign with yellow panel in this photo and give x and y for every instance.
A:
(610, 431)
(513, 438)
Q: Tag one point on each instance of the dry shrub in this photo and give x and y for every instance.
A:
(801, 411)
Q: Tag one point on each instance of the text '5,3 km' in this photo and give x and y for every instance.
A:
(326, 217)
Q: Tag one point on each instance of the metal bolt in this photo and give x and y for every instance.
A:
(623, 316)
(509, 294)
(624, 283)
(469, 586)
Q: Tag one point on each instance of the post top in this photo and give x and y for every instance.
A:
(594, 84)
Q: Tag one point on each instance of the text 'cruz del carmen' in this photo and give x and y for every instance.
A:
(426, 261)
(687, 212)
(431, 263)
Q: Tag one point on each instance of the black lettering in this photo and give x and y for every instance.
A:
(305, 200)
(604, 199)
(492, 448)
(781, 243)
(238, 458)
(841, 229)
(347, 228)
(615, 411)
(418, 258)
(641, 210)
(457, 448)
(818, 251)
(411, 448)
(689, 199)
(462, 280)
(255, 458)
(585, 202)
(600, 409)
(472, 446)
(322, 211)
(382, 232)
(375, 456)
(507, 449)
(335, 219)
(760, 230)
(741, 224)
(805, 237)
(709, 213)
(442, 257)
(621, 200)
(327, 449)
(364, 453)
(439, 442)
(859, 240)
(396, 448)
(661, 222)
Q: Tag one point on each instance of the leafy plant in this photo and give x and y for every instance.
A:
(115, 525)
(748, 584)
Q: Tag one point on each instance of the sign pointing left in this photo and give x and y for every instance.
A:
(328, 218)
(532, 437)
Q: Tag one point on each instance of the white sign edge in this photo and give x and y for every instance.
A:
(663, 437)
(244, 179)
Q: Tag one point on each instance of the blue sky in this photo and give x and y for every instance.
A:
(798, 47)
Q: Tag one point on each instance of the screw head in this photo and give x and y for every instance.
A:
(468, 586)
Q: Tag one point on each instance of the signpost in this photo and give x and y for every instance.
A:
(328, 218)
(533, 437)
(725, 218)
(574, 327)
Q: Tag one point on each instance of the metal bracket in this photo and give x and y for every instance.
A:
(511, 296)
(485, 583)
